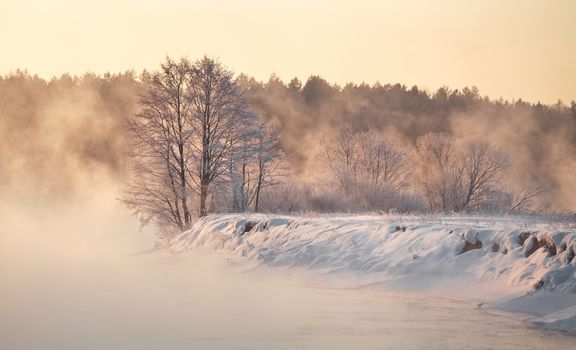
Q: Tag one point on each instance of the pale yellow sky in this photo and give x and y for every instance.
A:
(512, 48)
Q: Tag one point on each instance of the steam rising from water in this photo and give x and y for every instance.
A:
(59, 137)
(67, 282)
(539, 140)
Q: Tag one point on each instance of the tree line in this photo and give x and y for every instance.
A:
(191, 138)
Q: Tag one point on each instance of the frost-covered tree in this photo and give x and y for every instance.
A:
(159, 190)
(440, 174)
(240, 174)
(483, 167)
(257, 165)
(188, 129)
(218, 109)
(453, 178)
(380, 163)
(269, 162)
(339, 154)
(366, 168)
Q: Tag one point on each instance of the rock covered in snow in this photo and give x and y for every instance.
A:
(538, 255)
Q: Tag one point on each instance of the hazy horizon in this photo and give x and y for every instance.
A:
(512, 50)
(167, 183)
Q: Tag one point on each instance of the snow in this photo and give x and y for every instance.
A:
(539, 303)
(553, 310)
(564, 319)
(482, 258)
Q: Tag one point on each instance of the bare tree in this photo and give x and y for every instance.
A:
(187, 131)
(380, 162)
(339, 152)
(339, 155)
(258, 165)
(269, 160)
(241, 177)
(159, 189)
(218, 109)
(522, 199)
(365, 167)
(483, 165)
(457, 179)
(440, 175)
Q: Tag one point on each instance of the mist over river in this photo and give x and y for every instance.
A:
(68, 281)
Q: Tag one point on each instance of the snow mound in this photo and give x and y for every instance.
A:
(472, 257)
(553, 310)
(516, 251)
(564, 320)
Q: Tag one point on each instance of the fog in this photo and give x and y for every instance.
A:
(78, 274)
(59, 292)
(541, 153)
(539, 140)
(75, 267)
(61, 135)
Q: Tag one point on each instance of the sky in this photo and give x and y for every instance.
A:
(511, 49)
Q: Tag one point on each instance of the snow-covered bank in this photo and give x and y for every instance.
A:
(486, 258)
(554, 310)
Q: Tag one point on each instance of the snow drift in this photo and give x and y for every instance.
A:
(535, 255)
(517, 254)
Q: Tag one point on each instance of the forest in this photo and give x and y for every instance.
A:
(294, 146)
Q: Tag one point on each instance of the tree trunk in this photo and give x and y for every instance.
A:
(257, 199)
(203, 196)
(186, 212)
(259, 184)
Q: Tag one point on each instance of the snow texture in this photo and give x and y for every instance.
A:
(515, 253)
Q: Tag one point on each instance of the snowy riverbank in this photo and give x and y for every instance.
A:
(513, 264)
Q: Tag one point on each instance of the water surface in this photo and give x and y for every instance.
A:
(194, 302)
